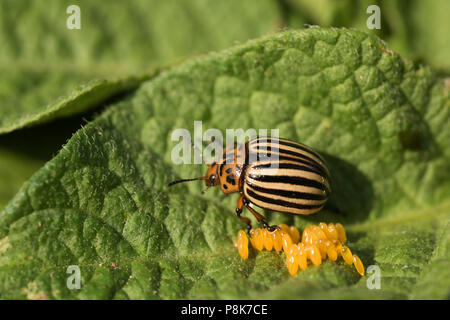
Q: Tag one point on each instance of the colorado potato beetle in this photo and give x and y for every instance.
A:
(272, 173)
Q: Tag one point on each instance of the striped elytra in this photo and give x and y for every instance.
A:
(272, 173)
(296, 183)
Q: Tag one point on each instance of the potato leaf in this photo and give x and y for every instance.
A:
(101, 204)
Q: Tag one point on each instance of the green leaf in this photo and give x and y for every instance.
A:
(23, 152)
(19, 114)
(416, 29)
(101, 204)
(49, 71)
(15, 168)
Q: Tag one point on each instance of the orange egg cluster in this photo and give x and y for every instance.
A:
(318, 242)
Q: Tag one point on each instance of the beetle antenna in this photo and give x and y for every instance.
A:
(184, 180)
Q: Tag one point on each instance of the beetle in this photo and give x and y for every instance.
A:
(272, 173)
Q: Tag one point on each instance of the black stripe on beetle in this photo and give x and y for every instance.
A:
(284, 165)
(289, 193)
(294, 156)
(288, 144)
(292, 180)
(282, 202)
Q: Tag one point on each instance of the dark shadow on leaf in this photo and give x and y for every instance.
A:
(44, 141)
(352, 192)
(365, 252)
(41, 142)
(351, 198)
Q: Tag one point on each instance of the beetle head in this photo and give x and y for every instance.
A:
(211, 177)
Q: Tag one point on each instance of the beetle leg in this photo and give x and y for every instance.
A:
(258, 216)
(239, 207)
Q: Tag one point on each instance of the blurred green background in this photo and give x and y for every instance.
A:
(42, 63)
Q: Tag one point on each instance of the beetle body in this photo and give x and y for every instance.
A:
(272, 173)
(298, 183)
